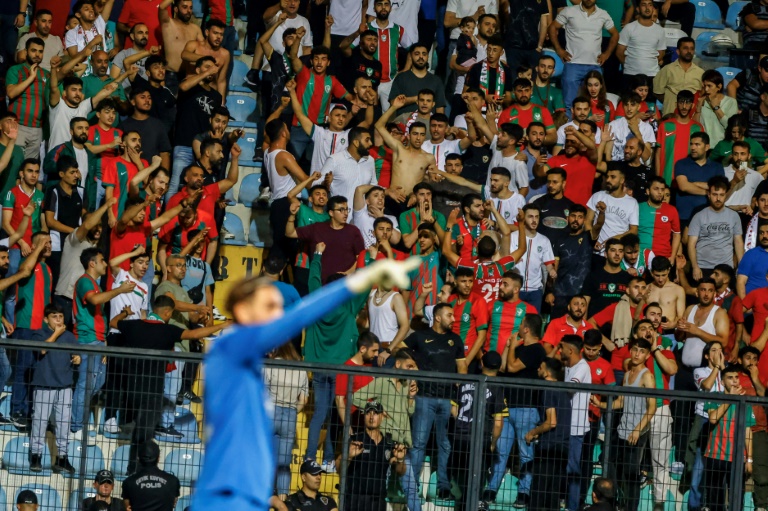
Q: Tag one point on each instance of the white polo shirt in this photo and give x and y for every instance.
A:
(508, 207)
(538, 254)
(584, 33)
(327, 142)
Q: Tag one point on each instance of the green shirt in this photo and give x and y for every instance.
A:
(92, 85)
(397, 406)
(550, 97)
(411, 219)
(724, 148)
(32, 295)
(90, 320)
(307, 216)
(9, 176)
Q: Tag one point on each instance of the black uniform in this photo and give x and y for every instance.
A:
(299, 501)
(151, 489)
(367, 474)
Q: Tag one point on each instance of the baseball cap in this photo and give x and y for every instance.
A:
(148, 452)
(105, 476)
(492, 360)
(374, 406)
(311, 467)
(26, 497)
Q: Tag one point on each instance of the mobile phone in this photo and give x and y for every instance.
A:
(663, 319)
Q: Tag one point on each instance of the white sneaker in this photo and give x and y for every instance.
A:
(329, 467)
(677, 467)
(110, 426)
(265, 195)
(217, 315)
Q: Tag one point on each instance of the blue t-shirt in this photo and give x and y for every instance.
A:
(687, 202)
(54, 369)
(754, 265)
(290, 295)
(197, 269)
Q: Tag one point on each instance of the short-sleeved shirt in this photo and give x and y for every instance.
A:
(602, 374)
(90, 319)
(549, 96)
(574, 255)
(531, 356)
(686, 202)
(179, 294)
(754, 265)
(367, 472)
(656, 226)
(715, 231)
(584, 32)
(342, 245)
(620, 214)
(117, 174)
(67, 209)
(554, 216)
(15, 201)
(487, 275)
(671, 79)
(605, 288)
(151, 489)
(505, 319)
(71, 267)
(559, 328)
(53, 46)
(722, 438)
(464, 399)
(524, 117)
(315, 93)
(32, 295)
(581, 175)
(145, 12)
(119, 60)
(198, 271)
(673, 138)
(439, 353)
(579, 373)
(470, 316)
(30, 105)
(409, 84)
(176, 235)
(538, 254)
(138, 299)
(605, 317)
(410, 220)
(59, 117)
(154, 136)
(195, 108)
(643, 45)
(560, 401)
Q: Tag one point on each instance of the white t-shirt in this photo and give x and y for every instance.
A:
(406, 14)
(538, 254)
(80, 38)
(346, 16)
(621, 131)
(579, 373)
(699, 375)
(643, 45)
(138, 299)
(363, 220)
(441, 150)
(59, 117)
(82, 163)
(327, 142)
(619, 214)
(508, 207)
(464, 8)
(277, 36)
(71, 267)
(584, 33)
(743, 192)
(517, 168)
(561, 133)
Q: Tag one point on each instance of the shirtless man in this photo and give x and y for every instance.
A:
(177, 31)
(670, 296)
(409, 163)
(211, 45)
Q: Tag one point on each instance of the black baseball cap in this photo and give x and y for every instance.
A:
(311, 467)
(492, 360)
(26, 497)
(105, 476)
(373, 406)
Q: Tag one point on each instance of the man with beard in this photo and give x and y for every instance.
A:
(636, 173)
(673, 136)
(135, 55)
(545, 92)
(623, 128)
(367, 350)
(578, 166)
(608, 283)
(753, 267)
(28, 87)
(153, 133)
(581, 111)
(409, 83)
(197, 100)
(680, 75)
(63, 206)
(99, 78)
(572, 322)
(344, 171)
(524, 112)
(438, 145)
(504, 200)
(210, 47)
(91, 29)
(744, 181)
(539, 258)
(573, 259)
(176, 31)
(658, 222)
(203, 176)
(535, 153)
(87, 162)
(361, 61)
(617, 210)
(53, 45)
(175, 235)
(554, 206)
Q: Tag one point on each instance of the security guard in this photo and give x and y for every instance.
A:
(309, 498)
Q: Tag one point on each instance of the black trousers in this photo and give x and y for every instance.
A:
(279, 211)
(144, 402)
(717, 479)
(549, 484)
(683, 13)
(628, 471)
(354, 502)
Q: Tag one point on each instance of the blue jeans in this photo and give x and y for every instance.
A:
(100, 193)
(695, 497)
(285, 436)
(91, 371)
(534, 297)
(573, 74)
(410, 485)
(575, 446)
(324, 385)
(431, 411)
(14, 259)
(230, 44)
(519, 422)
(149, 277)
(300, 143)
(183, 157)
(21, 395)
(171, 387)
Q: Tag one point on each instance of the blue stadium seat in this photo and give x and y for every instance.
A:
(702, 46)
(239, 70)
(729, 73)
(94, 459)
(249, 189)
(558, 62)
(120, 435)
(732, 19)
(234, 225)
(230, 196)
(183, 503)
(5, 410)
(242, 108)
(197, 8)
(248, 145)
(184, 464)
(707, 15)
(76, 499)
(48, 499)
(119, 463)
(253, 235)
(16, 457)
(184, 422)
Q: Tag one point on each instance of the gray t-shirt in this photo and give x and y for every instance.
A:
(71, 267)
(409, 84)
(715, 230)
(118, 62)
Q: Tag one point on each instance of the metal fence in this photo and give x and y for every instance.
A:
(463, 441)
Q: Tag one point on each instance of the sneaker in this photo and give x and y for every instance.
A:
(217, 315)
(444, 494)
(169, 431)
(329, 467)
(522, 502)
(36, 463)
(190, 396)
(252, 80)
(483, 506)
(63, 465)
(5, 420)
(677, 467)
(265, 195)
(250, 49)
(110, 426)
(19, 420)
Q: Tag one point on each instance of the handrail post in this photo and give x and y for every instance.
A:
(736, 495)
(345, 444)
(477, 447)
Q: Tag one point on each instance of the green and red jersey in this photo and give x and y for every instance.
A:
(517, 115)
(487, 275)
(645, 106)
(505, 319)
(673, 138)
(430, 270)
(382, 161)
(16, 200)
(722, 438)
(32, 102)
(90, 320)
(609, 112)
(656, 226)
(176, 235)
(386, 51)
(471, 316)
(222, 10)
(32, 295)
(364, 257)
(315, 92)
(117, 174)
(469, 235)
(659, 376)
(209, 198)
(410, 220)
(99, 136)
(307, 216)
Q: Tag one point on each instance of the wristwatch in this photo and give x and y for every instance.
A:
(715, 108)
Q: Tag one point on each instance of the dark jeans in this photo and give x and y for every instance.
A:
(8, 41)
(760, 468)
(230, 44)
(549, 485)
(587, 455)
(717, 479)
(518, 56)
(365, 502)
(279, 211)
(683, 13)
(21, 397)
(682, 411)
(116, 383)
(628, 470)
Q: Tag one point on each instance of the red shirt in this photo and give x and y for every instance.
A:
(609, 112)
(314, 93)
(602, 374)
(364, 258)
(487, 275)
(121, 243)
(581, 175)
(175, 235)
(761, 421)
(605, 316)
(99, 136)
(559, 327)
(524, 118)
(142, 11)
(358, 382)
(208, 198)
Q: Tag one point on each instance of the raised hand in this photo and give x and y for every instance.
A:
(127, 287)
(320, 248)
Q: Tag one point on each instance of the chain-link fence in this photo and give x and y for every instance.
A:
(382, 438)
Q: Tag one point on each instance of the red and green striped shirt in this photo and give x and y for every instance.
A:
(487, 275)
(517, 115)
(656, 226)
(32, 102)
(673, 138)
(90, 320)
(505, 320)
(386, 52)
(410, 221)
(315, 92)
(470, 316)
(722, 436)
(117, 174)
(99, 136)
(428, 271)
(32, 295)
